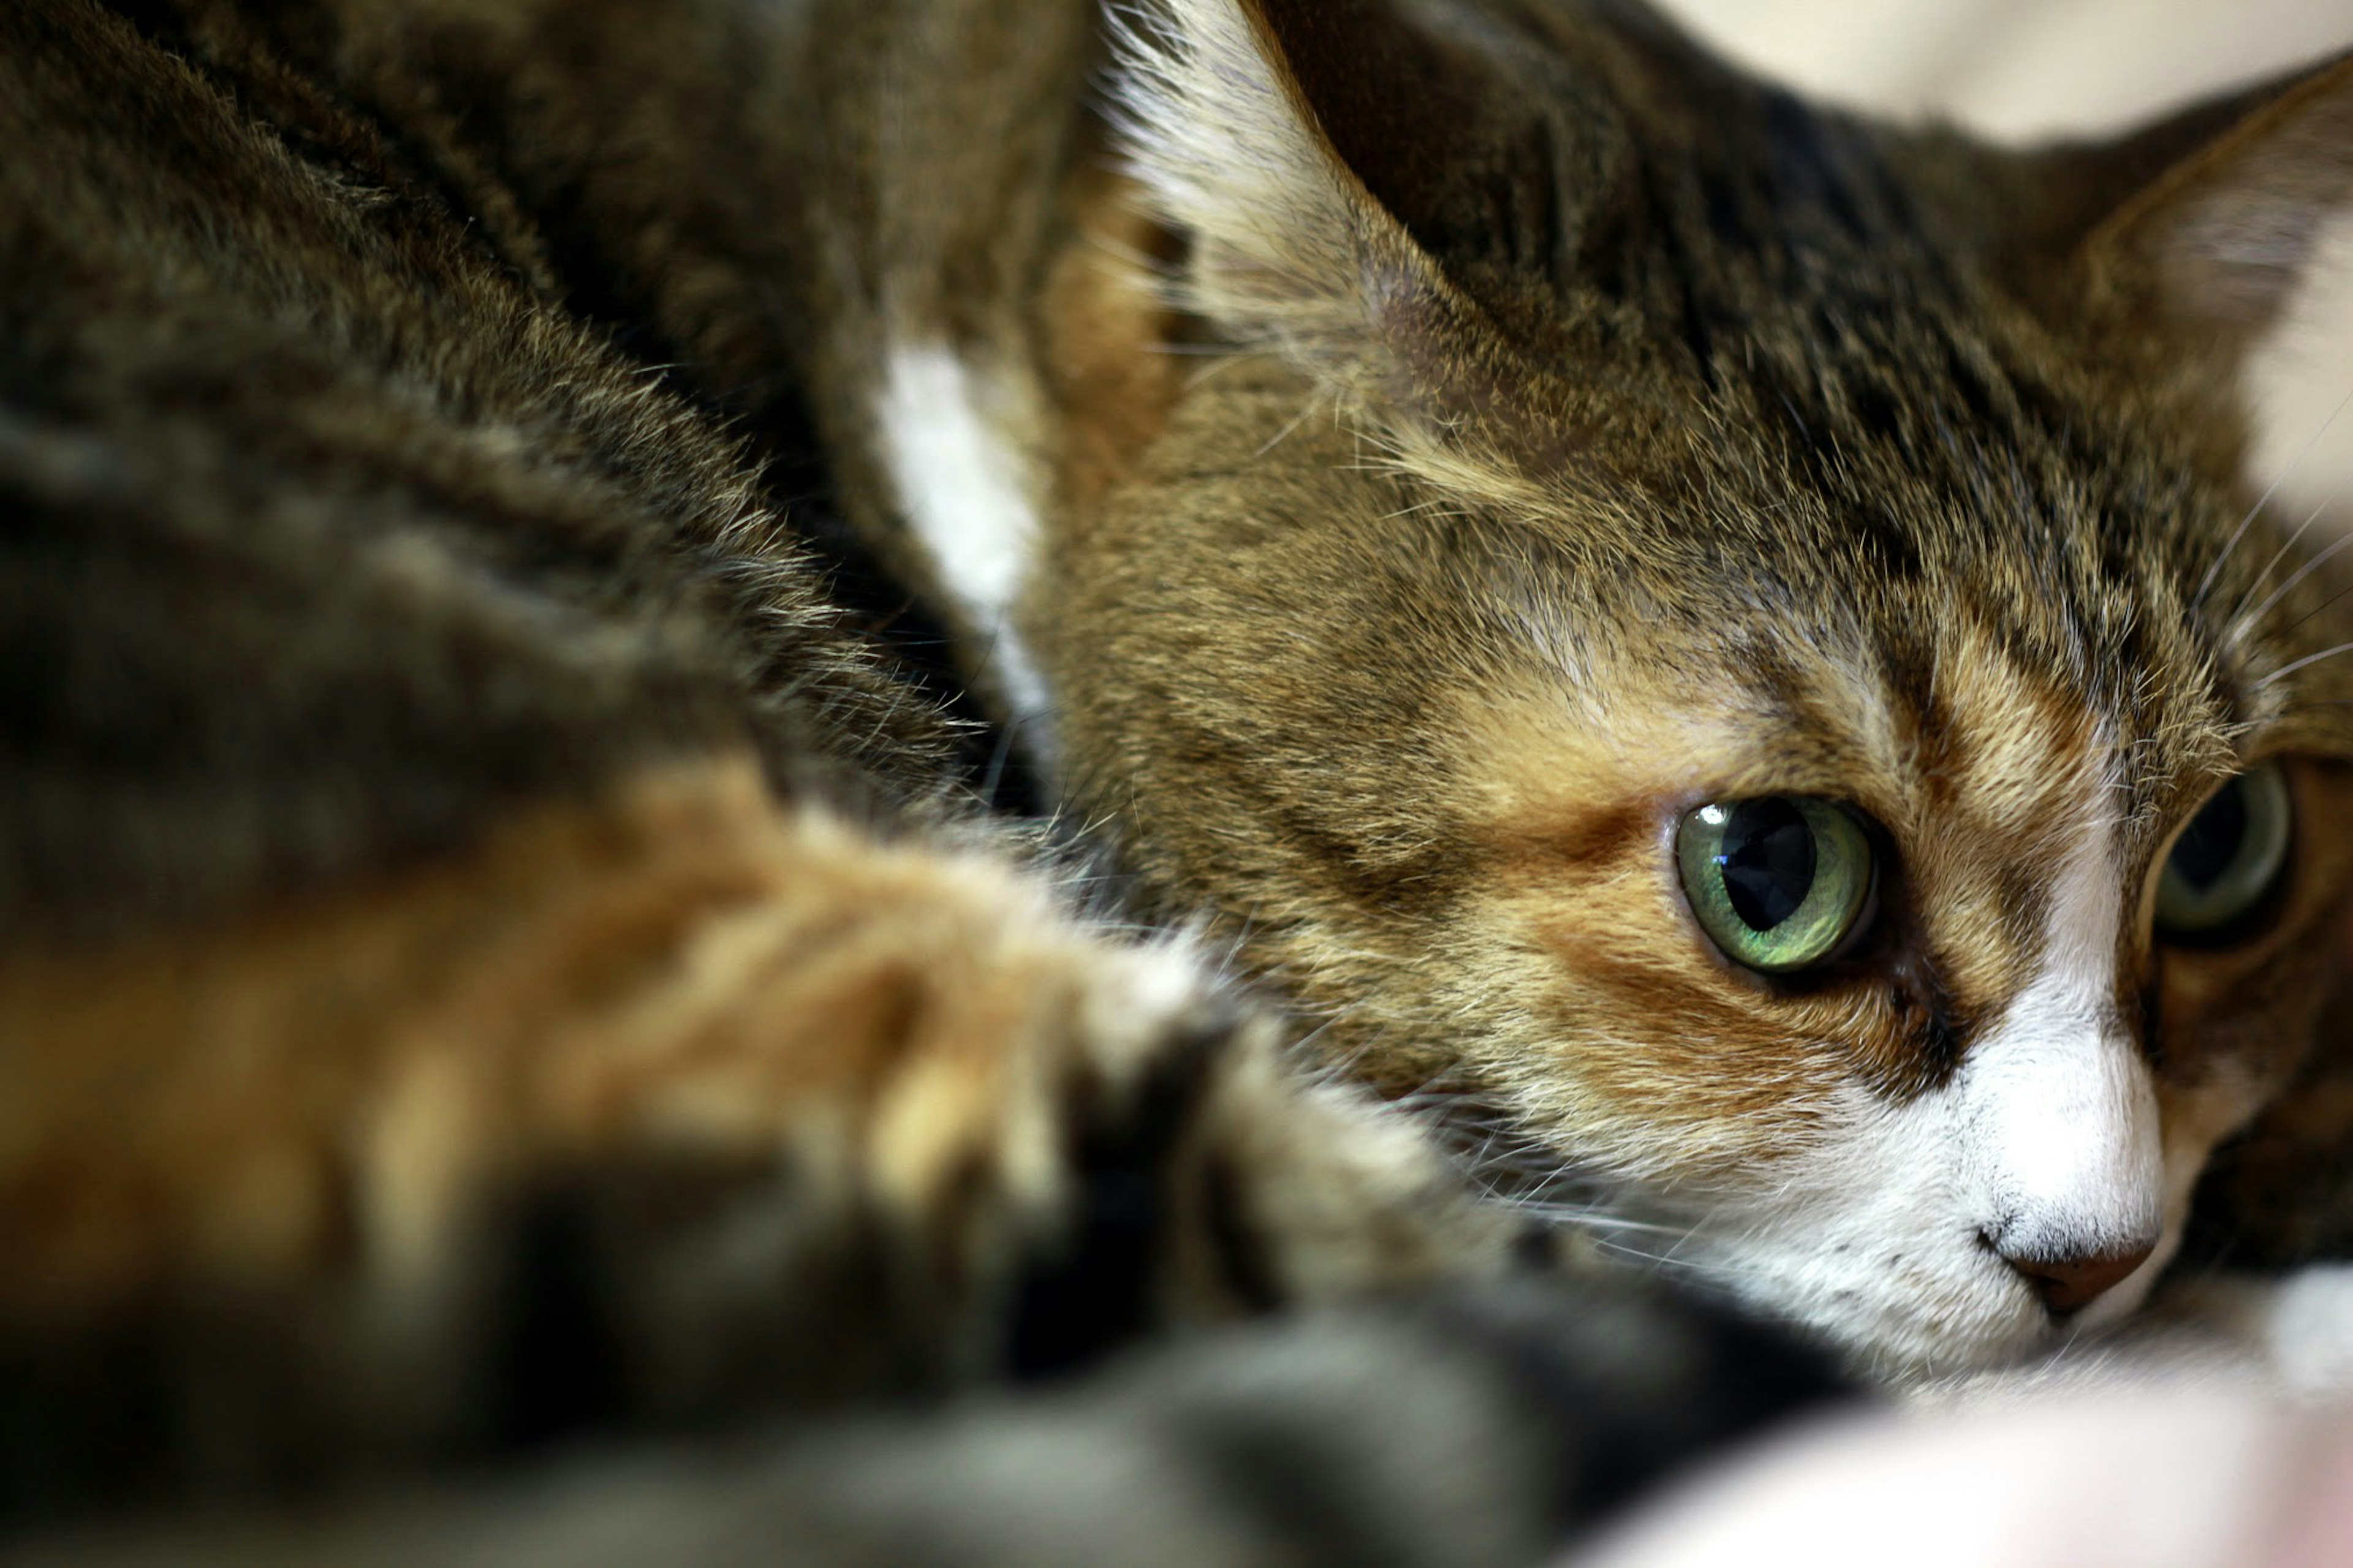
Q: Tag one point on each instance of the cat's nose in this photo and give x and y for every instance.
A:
(2069, 1282)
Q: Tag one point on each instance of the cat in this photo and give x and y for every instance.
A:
(1479, 504)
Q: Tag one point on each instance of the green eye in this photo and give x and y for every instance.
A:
(2228, 857)
(1778, 883)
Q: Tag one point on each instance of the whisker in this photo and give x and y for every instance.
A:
(1669, 1261)
(1595, 1219)
(2308, 568)
(2306, 662)
(2264, 501)
(2279, 556)
(1280, 436)
(2325, 604)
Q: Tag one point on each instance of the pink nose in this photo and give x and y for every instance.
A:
(2071, 1283)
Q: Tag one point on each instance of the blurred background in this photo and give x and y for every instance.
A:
(2027, 69)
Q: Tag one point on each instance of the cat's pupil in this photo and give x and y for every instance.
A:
(1767, 861)
(2211, 844)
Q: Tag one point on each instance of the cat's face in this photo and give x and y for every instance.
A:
(1702, 648)
(1470, 787)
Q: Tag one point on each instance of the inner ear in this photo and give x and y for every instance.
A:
(1438, 127)
(2209, 218)
(1108, 328)
(1353, 177)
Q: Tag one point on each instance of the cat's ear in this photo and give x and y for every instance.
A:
(2208, 219)
(1341, 166)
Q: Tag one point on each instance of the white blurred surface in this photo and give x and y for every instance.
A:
(2182, 1477)
(2021, 68)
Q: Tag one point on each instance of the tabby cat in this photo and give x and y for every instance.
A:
(1715, 652)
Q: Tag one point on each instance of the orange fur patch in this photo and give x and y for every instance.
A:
(1106, 334)
(684, 965)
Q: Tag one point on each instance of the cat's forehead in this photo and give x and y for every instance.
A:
(1957, 550)
(1972, 697)
(1952, 715)
(1977, 696)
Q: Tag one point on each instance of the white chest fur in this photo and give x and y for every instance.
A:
(967, 491)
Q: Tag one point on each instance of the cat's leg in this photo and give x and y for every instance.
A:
(686, 1103)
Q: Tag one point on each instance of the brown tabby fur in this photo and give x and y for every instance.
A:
(447, 806)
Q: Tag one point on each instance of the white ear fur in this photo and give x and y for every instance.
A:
(1296, 249)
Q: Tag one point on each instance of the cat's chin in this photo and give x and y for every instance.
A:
(1900, 1345)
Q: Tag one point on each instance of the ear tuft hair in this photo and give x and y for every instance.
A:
(1290, 249)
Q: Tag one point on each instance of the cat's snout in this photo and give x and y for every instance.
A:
(2069, 1282)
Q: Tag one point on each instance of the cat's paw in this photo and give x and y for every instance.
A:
(683, 1105)
(1475, 1427)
